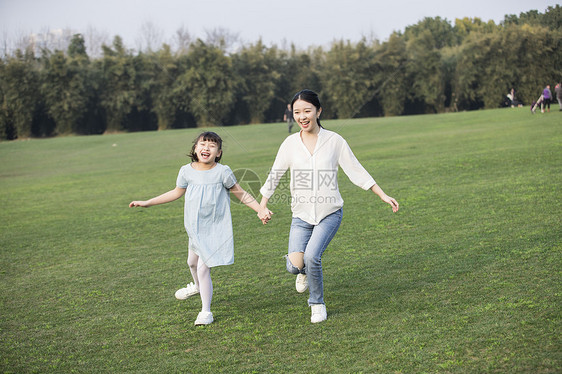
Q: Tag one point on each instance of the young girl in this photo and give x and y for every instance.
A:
(313, 155)
(205, 184)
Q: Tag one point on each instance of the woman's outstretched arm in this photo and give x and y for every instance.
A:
(384, 197)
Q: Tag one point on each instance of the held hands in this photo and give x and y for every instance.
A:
(264, 215)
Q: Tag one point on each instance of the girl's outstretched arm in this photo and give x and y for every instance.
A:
(384, 197)
(167, 197)
(245, 198)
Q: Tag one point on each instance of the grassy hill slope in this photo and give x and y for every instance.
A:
(464, 278)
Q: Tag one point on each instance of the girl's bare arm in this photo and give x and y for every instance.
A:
(167, 197)
(245, 198)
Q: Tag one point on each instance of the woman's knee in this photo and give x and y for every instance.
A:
(292, 268)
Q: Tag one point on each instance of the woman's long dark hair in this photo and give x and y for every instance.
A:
(310, 97)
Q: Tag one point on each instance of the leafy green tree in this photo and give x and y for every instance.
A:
(180, 94)
(259, 67)
(6, 123)
(348, 76)
(425, 68)
(164, 73)
(77, 49)
(297, 70)
(207, 85)
(65, 86)
(58, 87)
(119, 90)
(436, 33)
(391, 80)
(475, 53)
(428, 68)
(464, 26)
(141, 116)
(19, 84)
(520, 57)
(88, 79)
(301, 69)
(535, 57)
(551, 18)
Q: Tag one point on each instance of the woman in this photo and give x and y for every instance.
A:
(313, 155)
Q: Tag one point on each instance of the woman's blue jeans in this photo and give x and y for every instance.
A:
(313, 240)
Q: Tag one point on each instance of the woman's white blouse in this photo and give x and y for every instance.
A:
(314, 178)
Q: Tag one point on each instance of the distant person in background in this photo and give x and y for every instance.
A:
(288, 117)
(455, 107)
(547, 95)
(537, 104)
(558, 90)
(513, 99)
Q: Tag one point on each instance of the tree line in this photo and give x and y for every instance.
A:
(430, 67)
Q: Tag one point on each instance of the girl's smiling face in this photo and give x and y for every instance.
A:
(306, 115)
(207, 151)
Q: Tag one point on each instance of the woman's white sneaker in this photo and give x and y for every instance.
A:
(319, 313)
(301, 284)
(186, 292)
(204, 318)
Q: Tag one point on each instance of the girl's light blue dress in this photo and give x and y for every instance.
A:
(207, 217)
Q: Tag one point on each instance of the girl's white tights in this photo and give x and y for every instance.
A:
(202, 278)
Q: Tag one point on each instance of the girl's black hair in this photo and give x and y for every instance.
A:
(310, 97)
(208, 136)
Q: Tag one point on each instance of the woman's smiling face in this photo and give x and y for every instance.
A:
(306, 115)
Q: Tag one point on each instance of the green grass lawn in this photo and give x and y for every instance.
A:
(465, 278)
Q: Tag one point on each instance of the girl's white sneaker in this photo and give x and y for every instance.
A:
(186, 292)
(301, 284)
(204, 318)
(319, 313)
